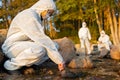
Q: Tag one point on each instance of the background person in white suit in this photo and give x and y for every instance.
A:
(26, 43)
(85, 36)
(104, 41)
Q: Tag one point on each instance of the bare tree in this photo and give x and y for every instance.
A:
(97, 16)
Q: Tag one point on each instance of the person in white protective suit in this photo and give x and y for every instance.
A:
(26, 43)
(104, 41)
(85, 36)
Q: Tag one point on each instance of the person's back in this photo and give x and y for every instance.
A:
(17, 28)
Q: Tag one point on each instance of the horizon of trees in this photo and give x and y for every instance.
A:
(104, 13)
(99, 15)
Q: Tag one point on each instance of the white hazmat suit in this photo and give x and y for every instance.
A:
(104, 41)
(26, 43)
(85, 36)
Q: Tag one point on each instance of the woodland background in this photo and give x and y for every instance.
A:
(99, 15)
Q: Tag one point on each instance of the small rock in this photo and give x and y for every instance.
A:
(66, 48)
(81, 62)
(115, 52)
(28, 71)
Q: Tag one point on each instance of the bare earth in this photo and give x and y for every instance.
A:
(104, 69)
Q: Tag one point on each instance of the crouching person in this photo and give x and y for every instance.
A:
(26, 43)
(104, 44)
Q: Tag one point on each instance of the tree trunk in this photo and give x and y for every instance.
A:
(115, 27)
(6, 14)
(101, 20)
(52, 30)
(97, 17)
(106, 21)
(111, 25)
(119, 27)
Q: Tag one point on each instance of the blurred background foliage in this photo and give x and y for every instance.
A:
(71, 13)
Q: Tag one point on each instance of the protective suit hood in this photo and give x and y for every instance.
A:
(84, 24)
(102, 33)
(42, 5)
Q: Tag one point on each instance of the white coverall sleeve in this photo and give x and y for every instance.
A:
(79, 33)
(33, 29)
(99, 39)
(89, 35)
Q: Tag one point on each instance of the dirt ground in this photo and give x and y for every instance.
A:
(104, 69)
